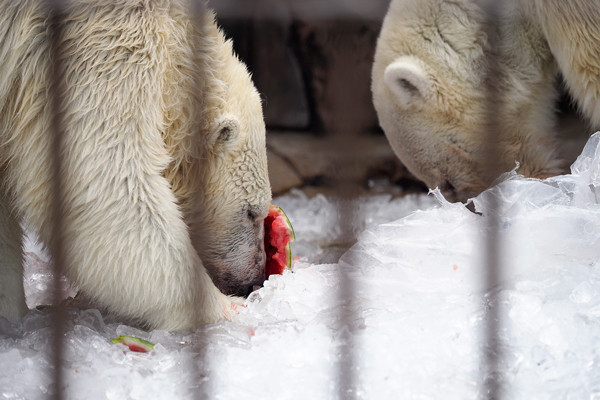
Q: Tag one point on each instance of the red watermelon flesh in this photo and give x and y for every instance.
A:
(278, 235)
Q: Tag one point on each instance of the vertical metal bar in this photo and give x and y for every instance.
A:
(346, 374)
(56, 92)
(346, 115)
(197, 9)
(492, 356)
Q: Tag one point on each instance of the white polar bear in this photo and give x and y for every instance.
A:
(428, 84)
(164, 158)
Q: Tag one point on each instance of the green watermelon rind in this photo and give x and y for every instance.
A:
(289, 224)
(138, 341)
(288, 256)
(288, 247)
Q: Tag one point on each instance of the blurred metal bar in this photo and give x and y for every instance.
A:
(492, 346)
(346, 373)
(56, 246)
(197, 10)
(345, 129)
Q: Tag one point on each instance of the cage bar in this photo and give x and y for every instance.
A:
(492, 342)
(56, 245)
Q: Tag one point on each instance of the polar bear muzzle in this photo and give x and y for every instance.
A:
(237, 263)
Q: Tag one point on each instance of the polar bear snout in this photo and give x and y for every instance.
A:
(236, 259)
(240, 277)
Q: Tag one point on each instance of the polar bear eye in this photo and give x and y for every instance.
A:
(252, 215)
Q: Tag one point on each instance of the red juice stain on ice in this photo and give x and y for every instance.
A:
(278, 235)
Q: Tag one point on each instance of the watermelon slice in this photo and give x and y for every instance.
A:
(278, 235)
(135, 344)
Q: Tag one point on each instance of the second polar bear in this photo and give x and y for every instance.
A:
(164, 174)
(429, 87)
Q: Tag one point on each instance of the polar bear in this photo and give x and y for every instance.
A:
(164, 168)
(429, 84)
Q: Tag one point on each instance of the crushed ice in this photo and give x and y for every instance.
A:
(418, 307)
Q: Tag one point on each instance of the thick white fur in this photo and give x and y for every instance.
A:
(152, 180)
(444, 46)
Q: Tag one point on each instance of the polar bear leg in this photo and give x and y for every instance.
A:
(128, 247)
(126, 242)
(12, 296)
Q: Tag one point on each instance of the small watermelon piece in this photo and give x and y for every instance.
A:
(135, 344)
(278, 235)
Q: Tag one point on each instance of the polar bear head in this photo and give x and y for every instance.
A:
(235, 200)
(425, 90)
(429, 90)
(233, 195)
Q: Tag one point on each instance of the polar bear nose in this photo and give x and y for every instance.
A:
(447, 186)
(259, 266)
(457, 190)
(251, 287)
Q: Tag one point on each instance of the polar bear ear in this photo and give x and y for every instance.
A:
(408, 81)
(224, 130)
